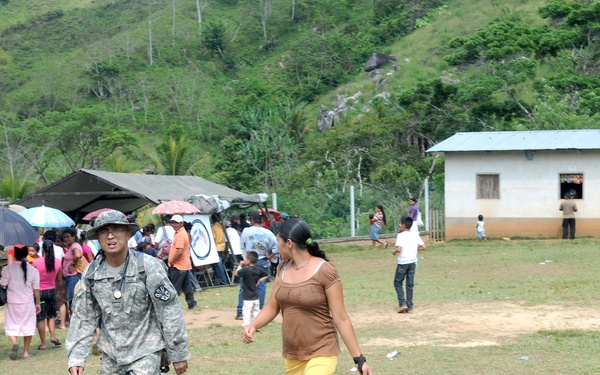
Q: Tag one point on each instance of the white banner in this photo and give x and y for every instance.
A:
(202, 246)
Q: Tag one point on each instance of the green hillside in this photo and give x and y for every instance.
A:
(231, 90)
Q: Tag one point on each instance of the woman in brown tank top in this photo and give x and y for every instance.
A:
(308, 292)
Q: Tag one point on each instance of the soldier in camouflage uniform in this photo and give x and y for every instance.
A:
(129, 296)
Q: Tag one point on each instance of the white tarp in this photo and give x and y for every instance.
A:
(211, 204)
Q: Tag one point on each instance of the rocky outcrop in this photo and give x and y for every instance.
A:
(344, 103)
(378, 60)
(449, 80)
(328, 117)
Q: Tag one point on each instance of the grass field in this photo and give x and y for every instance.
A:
(479, 309)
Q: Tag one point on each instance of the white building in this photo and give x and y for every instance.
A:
(517, 179)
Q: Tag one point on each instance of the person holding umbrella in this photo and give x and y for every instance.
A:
(15, 229)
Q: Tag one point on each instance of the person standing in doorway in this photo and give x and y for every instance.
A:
(568, 207)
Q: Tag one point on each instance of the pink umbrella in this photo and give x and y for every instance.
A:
(94, 214)
(175, 207)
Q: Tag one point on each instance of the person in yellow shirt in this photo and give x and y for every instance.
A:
(219, 236)
(32, 252)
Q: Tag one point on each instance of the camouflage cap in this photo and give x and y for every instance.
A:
(113, 217)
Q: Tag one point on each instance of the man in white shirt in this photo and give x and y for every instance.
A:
(58, 251)
(257, 238)
(233, 237)
(408, 244)
(166, 232)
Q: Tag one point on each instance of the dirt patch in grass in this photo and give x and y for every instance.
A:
(454, 324)
(477, 324)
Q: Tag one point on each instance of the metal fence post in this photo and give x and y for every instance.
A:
(427, 204)
(352, 219)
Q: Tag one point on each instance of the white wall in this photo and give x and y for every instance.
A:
(528, 188)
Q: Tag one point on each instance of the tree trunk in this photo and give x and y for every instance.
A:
(293, 9)
(173, 27)
(150, 40)
(199, 8)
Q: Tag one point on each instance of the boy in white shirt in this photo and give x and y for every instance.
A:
(407, 245)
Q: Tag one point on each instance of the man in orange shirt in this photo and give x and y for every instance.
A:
(180, 263)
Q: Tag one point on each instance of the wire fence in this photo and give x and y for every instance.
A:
(329, 214)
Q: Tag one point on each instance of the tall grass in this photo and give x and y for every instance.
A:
(15, 11)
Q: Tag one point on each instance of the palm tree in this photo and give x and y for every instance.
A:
(169, 158)
(14, 188)
(118, 163)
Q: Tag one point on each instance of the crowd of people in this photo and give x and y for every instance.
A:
(75, 279)
(40, 280)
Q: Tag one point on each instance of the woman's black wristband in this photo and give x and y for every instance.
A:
(359, 361)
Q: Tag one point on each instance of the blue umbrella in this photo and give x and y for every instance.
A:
(47, 217)
(15, 229)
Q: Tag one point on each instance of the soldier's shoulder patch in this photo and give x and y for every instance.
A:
(162, 293)
(79, 288)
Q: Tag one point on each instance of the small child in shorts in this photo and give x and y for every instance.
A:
(480, 229)
(251, 276)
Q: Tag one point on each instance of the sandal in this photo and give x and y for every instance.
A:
(41, 348)
(56, 342)
(14, 352)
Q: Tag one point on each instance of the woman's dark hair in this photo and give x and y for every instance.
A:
(72, 232)
(299, 232)
(383, 212)
(48, 248)
(21, 253)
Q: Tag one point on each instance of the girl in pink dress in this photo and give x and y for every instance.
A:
(22, 283)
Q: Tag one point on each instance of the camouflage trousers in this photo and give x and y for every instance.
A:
(148, 365)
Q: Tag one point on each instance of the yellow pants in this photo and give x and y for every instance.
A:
(315, 366)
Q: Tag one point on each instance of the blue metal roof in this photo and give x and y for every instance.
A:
(588, 139)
